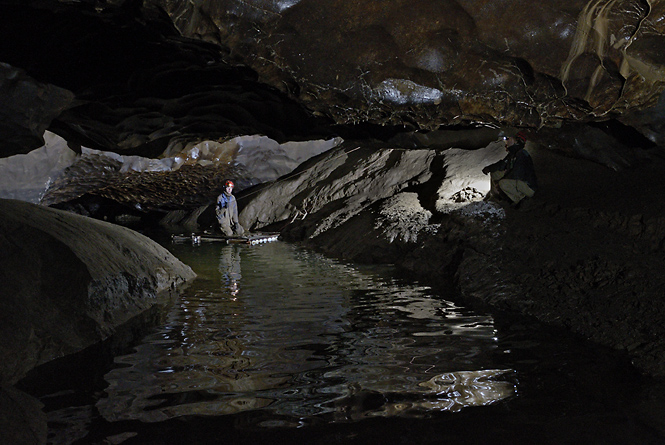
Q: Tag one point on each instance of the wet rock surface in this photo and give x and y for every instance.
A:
(70, 281)
(150, 76)
(584, 253)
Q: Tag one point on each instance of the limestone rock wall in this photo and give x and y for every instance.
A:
(69, 281)
(28, 107)
(586, 253)
(365, 203)
(22, 420)
(332, 189)
(434, 62)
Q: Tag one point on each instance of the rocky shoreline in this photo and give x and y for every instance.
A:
(584, 254)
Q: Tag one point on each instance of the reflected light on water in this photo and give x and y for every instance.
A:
(288, 332)
(470, 388)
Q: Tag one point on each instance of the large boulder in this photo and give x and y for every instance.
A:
(366, 203)
(69, 281)
(334, 189)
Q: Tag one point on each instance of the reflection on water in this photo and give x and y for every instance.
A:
(273, 344)
(288, 332)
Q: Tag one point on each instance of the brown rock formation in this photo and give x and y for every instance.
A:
(434, 63)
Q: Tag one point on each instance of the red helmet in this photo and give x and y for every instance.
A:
(521, 136)
(228, 184)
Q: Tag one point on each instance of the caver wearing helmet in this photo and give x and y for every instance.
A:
(516, 142)
(521, 136)
(513, 177)
(227, 212)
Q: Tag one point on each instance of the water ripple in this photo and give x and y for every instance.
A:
(283, 330)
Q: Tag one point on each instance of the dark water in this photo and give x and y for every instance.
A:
(276, 344)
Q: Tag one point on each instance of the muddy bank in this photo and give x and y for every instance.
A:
(585, 253)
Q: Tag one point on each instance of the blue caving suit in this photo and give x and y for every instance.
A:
(227, 215)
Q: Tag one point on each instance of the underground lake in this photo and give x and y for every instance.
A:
(274, 343)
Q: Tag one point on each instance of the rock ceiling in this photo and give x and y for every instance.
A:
(142, 77)
(434, 62)
(138, 86)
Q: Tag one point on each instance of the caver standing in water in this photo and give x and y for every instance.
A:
(513, 177)
(227, 212)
